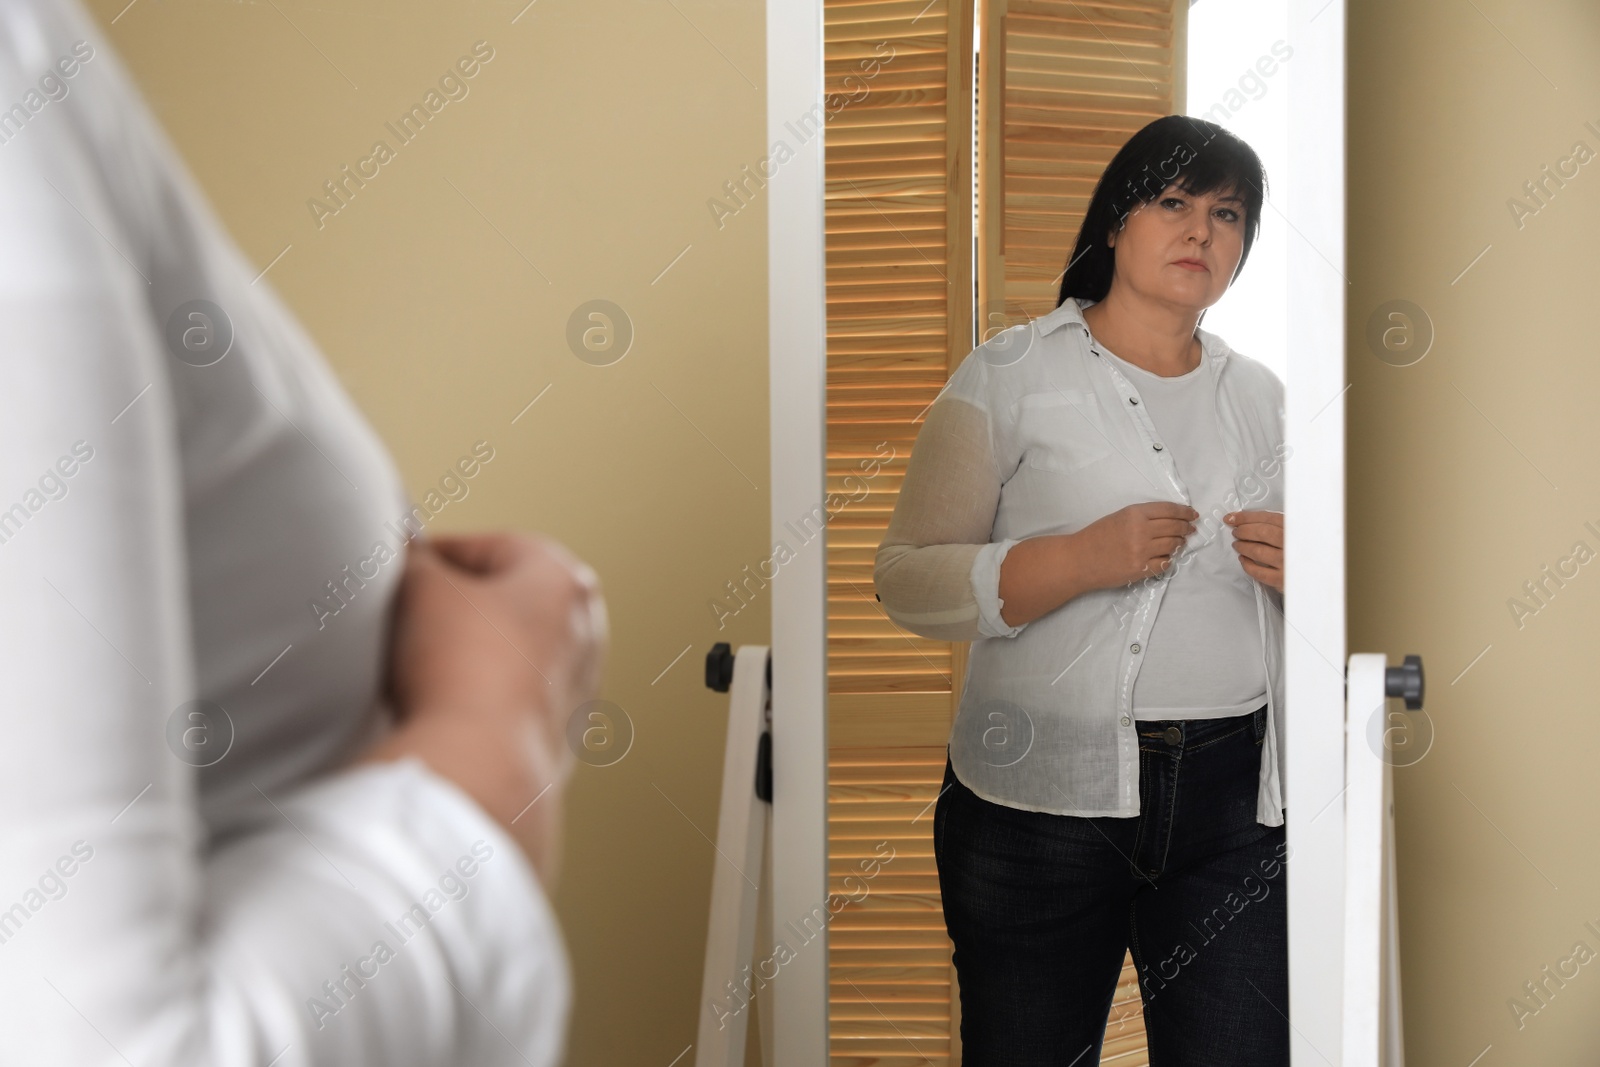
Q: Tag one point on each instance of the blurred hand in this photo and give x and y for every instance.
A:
(1258, 540)
(497, 638)
(1134, 542)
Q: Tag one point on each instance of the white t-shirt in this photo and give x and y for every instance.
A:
(1203, 656)
(169, 522)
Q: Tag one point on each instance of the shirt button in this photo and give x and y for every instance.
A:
(1136, 648)
(1156, 447)
(1133, 400)
(1125, 720)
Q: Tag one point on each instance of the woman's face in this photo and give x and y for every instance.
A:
(1159, 235)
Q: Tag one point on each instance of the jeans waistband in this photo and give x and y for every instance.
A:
(1193, 730)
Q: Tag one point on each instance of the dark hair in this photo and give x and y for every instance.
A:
(1197, 155)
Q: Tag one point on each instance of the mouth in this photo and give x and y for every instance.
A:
(1191, 264)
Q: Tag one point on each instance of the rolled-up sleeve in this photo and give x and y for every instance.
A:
(985, 581)
(936, 572)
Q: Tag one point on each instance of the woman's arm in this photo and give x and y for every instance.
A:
(1134, 542)
(939, 576)
(936, 571)
(497, 636)
(1039, 575)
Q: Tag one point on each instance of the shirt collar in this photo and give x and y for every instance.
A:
(1071, 311)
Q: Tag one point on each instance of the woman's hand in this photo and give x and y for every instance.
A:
(1258, 539)
(1040, 574)
(1135, 542)
(497, 638)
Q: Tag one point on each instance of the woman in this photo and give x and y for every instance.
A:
(1114, 778)
(215, 849)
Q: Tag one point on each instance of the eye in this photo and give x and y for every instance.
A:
(1171, 200)
(1233, 216)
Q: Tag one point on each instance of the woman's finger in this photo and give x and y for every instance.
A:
(1266, 536)
(481, 553)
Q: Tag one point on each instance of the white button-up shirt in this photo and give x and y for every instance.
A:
(1038, 433)
(191, 872)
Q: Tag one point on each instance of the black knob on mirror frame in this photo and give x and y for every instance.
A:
(1405, 681)
(719, 667)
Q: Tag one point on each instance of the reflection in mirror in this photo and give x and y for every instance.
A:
(1054, 536)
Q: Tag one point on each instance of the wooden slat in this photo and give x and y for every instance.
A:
(888, 203)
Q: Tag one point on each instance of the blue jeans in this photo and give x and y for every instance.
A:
(1042, 908)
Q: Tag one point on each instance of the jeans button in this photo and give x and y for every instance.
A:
(1173, 735)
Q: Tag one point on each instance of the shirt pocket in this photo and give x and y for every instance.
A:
(1062, 430)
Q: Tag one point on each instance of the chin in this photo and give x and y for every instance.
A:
(1188, 298)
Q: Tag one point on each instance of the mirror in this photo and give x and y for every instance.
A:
(963, 145)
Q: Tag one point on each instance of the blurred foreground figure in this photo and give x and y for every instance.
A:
(219, 845)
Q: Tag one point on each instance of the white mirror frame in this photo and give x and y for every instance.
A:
(797, 392)
(1314, 643)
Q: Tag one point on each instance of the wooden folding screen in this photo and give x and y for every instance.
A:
(912, 285)
(900, 294)
(1076, 81)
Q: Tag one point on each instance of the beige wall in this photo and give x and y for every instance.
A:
(591, 141)
(1468, 473)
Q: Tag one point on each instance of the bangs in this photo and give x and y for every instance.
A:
(1229, 167)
